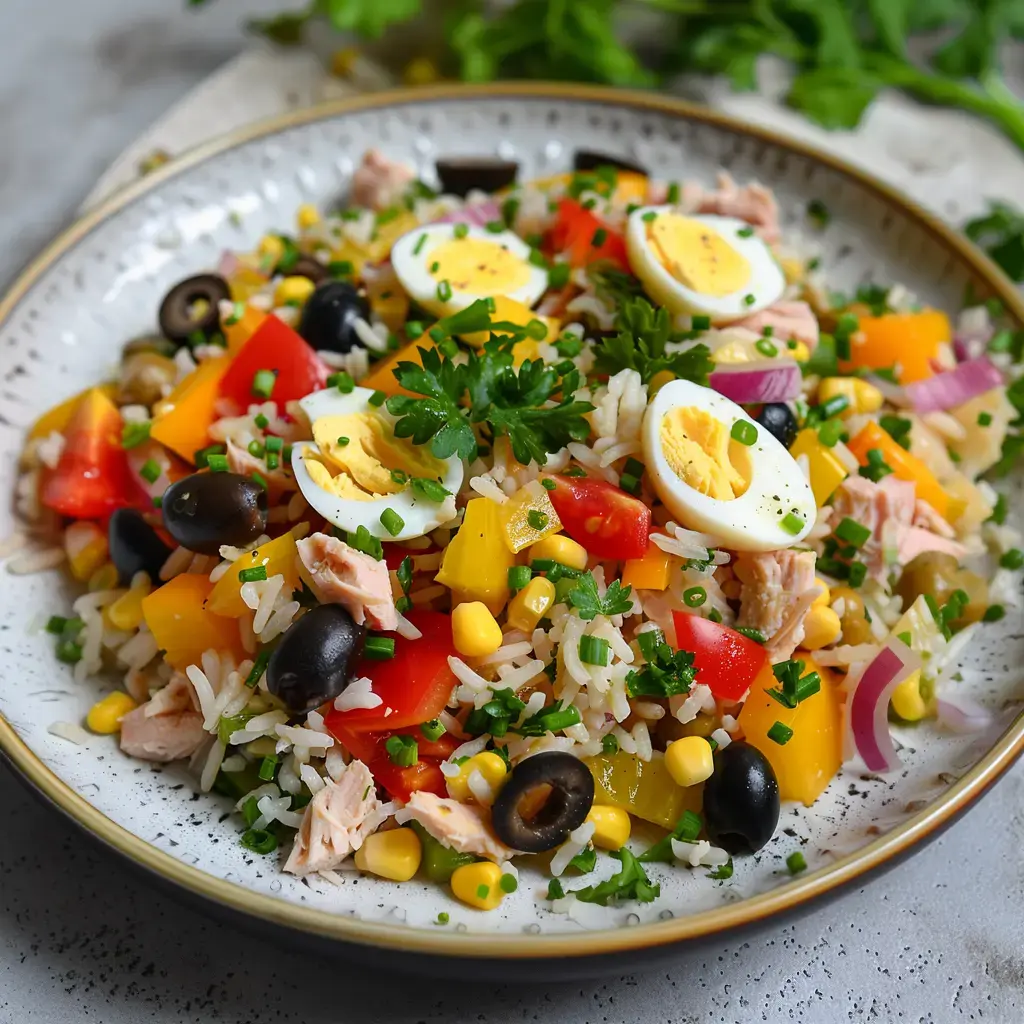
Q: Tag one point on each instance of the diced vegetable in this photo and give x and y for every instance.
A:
(826, 471)
(183, 625)
(652, 571)
(806, 763)
(576, 231)
(776, 380)
(92, 477)
(528, 516)
(382, 377)
(603, 518)
(184, 418)
(238, 332)
(726, 661)
(510, 311)
(954, 387)
(476, 562)
(910, 340)
(276, 557)
(644, 788)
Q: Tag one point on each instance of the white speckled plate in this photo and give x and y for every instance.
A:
(100, 283)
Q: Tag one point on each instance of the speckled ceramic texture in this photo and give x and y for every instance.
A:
(67, 330)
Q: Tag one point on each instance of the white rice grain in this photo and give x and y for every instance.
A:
(358, 694)
(577, 842)
(214, 760)
(303, 737)
(177, 562)
(312, 778)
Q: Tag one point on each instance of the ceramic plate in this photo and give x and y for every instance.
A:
(101, 282)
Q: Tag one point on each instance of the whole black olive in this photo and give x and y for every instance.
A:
(460, 175)
(192, 306)
(135, 546)
(205, 510)
(741, 799)
(566, 806)
(590, 160)
(309, 267)
(778, 419)
(311, 662)
(329, 317)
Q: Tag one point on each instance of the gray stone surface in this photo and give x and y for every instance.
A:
(939, 939)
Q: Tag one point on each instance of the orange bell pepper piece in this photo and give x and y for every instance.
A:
(278, 556)
(184, 425)
(904, 465)
(238, 332)
(381, 377)
(911, 340)
(183, 625)
(651, 572)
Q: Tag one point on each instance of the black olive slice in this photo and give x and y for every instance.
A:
(192, 306)
(566, 807)
(135, 546)
(329, 317)
(778, 419)
(591, 159)
(459, 175)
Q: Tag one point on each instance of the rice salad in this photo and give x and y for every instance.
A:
(564, 519)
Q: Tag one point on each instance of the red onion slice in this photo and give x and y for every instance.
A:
(477, 214)
(954, 387)
(777, 380)
(868, 705)
(964, 715)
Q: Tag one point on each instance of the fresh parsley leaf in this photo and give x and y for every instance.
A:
(834, 97)
(670, 673)
(496, 715)
(585, 861)
(643, 344)
(687, 829)
(584, 597)
(367, 17)
(629, 883)
(1000, 233)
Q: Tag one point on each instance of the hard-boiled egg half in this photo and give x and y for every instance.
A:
(445, 267)
(355, 469)
(717, 471)
(702, 265)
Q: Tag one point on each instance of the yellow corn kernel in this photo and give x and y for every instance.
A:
(475, 631)
(826, 471)
(105, 716)
(271, 247)
(821, 627)
(651, 572)
(478, 885)
(611, 825)
(104, 578)
(307, 216)
(86, 547)
(421, 71)
(907, 701)
(394, 854)
(562, 549)
(689, 760)
(489, 764)
(659, 380)
(863, 397)
(798, 350)
(126, 612)
(531, 604)
(825, 597)
(293, 290)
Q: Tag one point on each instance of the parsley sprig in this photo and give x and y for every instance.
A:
(641, 344)
(667, 674)
(584, 597)
(629, 883)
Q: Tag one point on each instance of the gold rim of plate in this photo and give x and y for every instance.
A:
(438, 941)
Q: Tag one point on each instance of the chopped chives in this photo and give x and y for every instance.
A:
(134, 434)
(273, 461)
(715, 615)
(392, 522)
(1012, 559)
(261, 421)
(600, 237)
(444, 291)
(420, 242)
(443, 917)
(630, 484)
(340, 268)
(259, 841)
(150, 471)
(744, 432)
(748, 631)
(649, 641)
(460, 230)
(259, 666)
(745, 232)
(259, 478)
(558, 275)
(519, 576)
(217, 463)
(764, 346)
(634, 466)
(342, 441)
(548, 484)
(830, 432)
(796, 863)
(254, 574)
(379, 648)
(55, 624)
(852, 532)
(267, 768)
(342, 381)
(483, 891)
(593, 650)
(609, 745)
(402, 750)
(432, 730)
(399, 476)
(377, 398)
(648, 216)
(993, 613)
(877, 467)
(537, 520)
(508, 883)
(158, 502)
(792, 523)
(263, 382)
(69, 652)
(858, 573)
(256, 449)
(749, 300)
(537, 329)
(432, 490)
(414, 329)
(274, 444)
(701, 323)
(984, 419)
(780, 734)
(694, 597)
(495, 227)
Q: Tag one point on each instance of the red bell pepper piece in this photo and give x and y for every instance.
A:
(585, 238)
(424, 776)
(606, 520)
(726, 661)
(92, 478)
(274, 346)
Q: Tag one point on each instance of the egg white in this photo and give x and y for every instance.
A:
(766, 285)
(751, 522)
(413, 267)
(420, 515)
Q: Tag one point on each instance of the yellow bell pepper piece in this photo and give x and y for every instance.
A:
(57, 418)
(382, 378)
(477, 561)
(652, 572)
(812, 756)
(529, 502)
(183, 625)
(246, 281)
(827, 472)
(278, 556)
(861, 395)
(512, 311)
(188, 412)
(385, 235)
(904, 465)
(644, 788)
(238, 332)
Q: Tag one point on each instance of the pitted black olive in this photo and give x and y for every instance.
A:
(741, 799)
(569, 801)
(192, 307)
(590, 160)
(309, 267)
(461, 174)
(135, 546)
(778, 419)
(311, 664)
(329, 317)
(148, 345)
(205, 510)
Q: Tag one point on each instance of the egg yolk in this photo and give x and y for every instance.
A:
(701, 453)
(361, 468)
(478, 266)
(697, 256)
